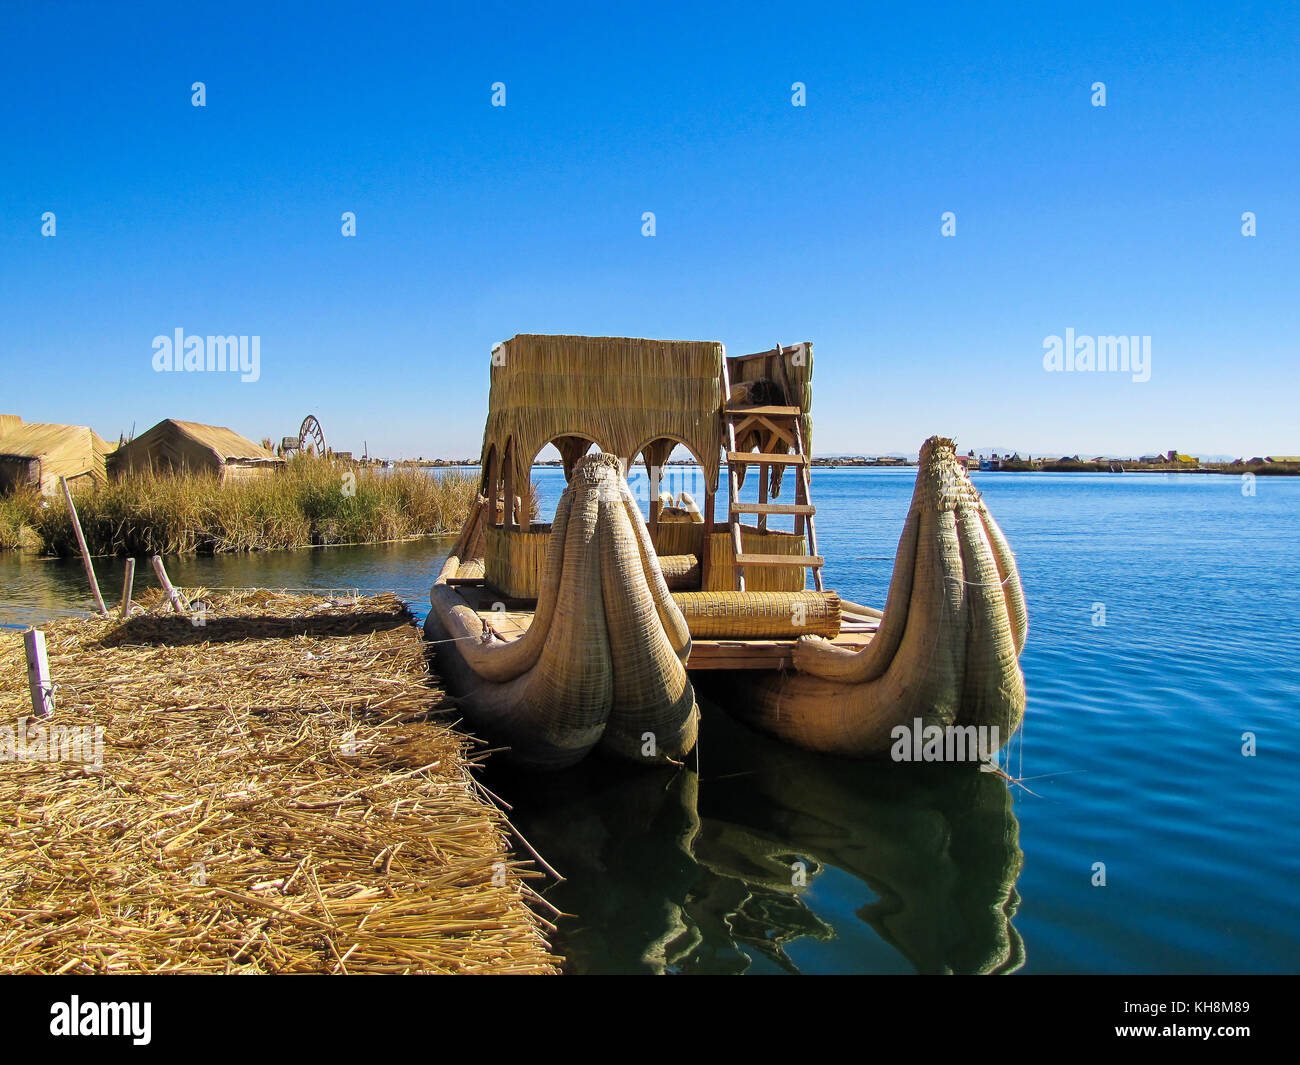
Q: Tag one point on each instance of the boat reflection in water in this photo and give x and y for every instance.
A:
(666, 872)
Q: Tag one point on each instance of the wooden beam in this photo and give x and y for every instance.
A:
(705, 549)
(780, 560)
(767, 410)
(748, 655)
(774, 431)
(802, 505)
(732, 490)
(776, 508)
(804, 475)
(493, 492)
(510, 523)
(755, 458)
(85, 551)
(126, 588)
(177, 600)
(756, 355)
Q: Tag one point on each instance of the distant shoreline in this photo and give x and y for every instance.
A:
(1263, 468)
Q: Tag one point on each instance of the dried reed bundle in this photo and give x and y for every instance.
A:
(760, 615)
(680, 538)
(681, 572)
(601, 661)
(513, 561)
(275, 796)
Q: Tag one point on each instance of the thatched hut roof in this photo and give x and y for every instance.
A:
(173, 444)
(62, 450)
(622, 393)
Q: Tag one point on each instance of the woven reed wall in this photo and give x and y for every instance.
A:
(621, 392)
(680, 538)
(513, 561)
(759, 615)
(722, 561)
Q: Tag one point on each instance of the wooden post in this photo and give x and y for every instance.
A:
(733, 498)
(85, 551)
(706, 551)
(494, 487)
(656, 509)
(126, 587)
(38, 673)
(178, 603)
(510, 490)
(764, 472)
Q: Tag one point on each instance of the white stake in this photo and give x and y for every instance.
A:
(38, 673)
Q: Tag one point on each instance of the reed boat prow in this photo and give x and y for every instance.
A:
(586, 632)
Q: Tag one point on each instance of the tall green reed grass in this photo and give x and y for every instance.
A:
(309, 502)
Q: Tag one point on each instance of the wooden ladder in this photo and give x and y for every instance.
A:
(783, 425)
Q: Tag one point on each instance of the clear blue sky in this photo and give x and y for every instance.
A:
(774, 222)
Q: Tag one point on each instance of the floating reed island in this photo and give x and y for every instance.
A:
(587, 632)
(271, 790)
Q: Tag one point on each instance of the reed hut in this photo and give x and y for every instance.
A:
(620, 393)
(638, 399)
(39, 453)
(174, 446)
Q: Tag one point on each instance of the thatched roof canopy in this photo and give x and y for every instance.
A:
(621, 393)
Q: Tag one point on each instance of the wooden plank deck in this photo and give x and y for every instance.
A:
(722, 654)
(741, 654)
(758, 654)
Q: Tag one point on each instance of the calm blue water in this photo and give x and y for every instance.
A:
(1132, 751)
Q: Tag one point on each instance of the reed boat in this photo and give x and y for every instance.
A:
(590, 631)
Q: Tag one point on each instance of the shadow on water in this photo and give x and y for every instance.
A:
(173, 631)
(668, 872)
